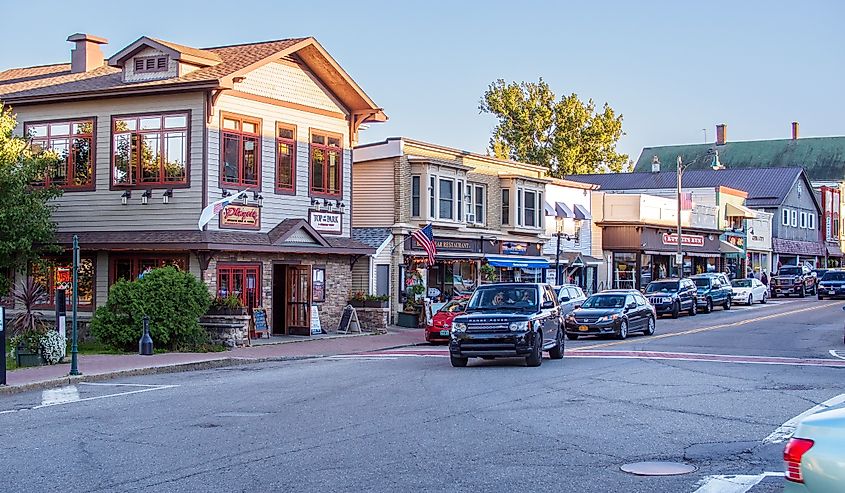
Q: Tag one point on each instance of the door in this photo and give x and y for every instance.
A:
(298, 300)
(279, 301)
(551, 316)
(382, 280)
(634, 313)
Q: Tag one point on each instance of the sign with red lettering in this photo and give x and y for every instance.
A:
(686, 240)
(326, 222)
(235, 216)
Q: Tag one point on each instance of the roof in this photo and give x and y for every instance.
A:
(56, 82)
(823, 158)
(372, 237)
(766, 187)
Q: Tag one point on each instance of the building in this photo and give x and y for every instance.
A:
(156, 132)
(488, 216)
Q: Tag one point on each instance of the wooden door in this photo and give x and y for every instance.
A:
(298, 293)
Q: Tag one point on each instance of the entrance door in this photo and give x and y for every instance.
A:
(298, 294)
(279, 301)
(382, 280)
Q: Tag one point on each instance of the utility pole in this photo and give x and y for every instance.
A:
(679, 257)
(74, 349)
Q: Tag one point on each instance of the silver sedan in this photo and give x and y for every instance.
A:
(815, 455)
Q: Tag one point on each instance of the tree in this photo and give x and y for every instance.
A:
(26, 229)
(566, 136)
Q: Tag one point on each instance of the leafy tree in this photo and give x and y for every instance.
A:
(26, 229)
(567, 136)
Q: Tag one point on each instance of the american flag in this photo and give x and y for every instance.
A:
(686, 201)
(425, 238)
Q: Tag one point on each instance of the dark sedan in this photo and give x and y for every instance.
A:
(615, 312)
(832, 284)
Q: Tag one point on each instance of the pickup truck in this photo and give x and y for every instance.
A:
(713, 289)
(793, 279)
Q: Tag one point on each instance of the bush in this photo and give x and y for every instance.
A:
(173, 300)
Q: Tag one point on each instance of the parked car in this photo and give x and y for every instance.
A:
(614, 312)
(570, 297)
(793, 279)
(508, 319)
(818, 274)
(813, 455)
(713, 289)
(440, 329)
(671, 296)
(832, 284)
(749, 291)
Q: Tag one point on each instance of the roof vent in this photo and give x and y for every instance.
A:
(86, 55)
(655, 164)
(721, 134)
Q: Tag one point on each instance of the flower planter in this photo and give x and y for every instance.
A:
(376, 304)
(24, 358)
(226, 311)
(357, 303)
(405, 319)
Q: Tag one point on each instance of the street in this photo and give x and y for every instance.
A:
(712, 391)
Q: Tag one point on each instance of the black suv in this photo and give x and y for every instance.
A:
(793, 279)
(672, 296)
(508, 319)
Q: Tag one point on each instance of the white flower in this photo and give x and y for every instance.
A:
(53, 347)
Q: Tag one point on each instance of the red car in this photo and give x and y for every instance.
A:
(441, 322)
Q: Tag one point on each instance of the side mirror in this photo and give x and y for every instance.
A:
(564, 299)
(631, 305)
(547, 305)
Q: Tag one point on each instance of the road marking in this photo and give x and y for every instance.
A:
(70, 394)
(786, 430)
(704, 329)
(732, 483)
(62, 395)
(835, 354)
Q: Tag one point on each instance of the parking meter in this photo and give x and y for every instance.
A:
(61, 317)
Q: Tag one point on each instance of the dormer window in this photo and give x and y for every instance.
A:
(148, 64)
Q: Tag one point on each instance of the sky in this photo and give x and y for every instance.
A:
(672, 68)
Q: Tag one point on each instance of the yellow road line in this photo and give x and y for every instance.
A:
(703, 329)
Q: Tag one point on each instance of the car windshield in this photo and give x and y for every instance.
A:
(662, 287)
(453, 306)
(605, 301)
(834, 276)
(789, 271)
(702, 282)
(741, 283)
(504, 298)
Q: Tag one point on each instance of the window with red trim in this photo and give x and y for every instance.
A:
(73, 141)
(285, 158)
(241, 150)
(130, 267)
(241, 280)
(326, 163)
(58, 273)
(150, 150)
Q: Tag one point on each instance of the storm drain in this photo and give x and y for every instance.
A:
(657, 468)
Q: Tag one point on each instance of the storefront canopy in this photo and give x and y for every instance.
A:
(517, 261)
(563, 210)
(736, 210)
(728, 248)
(582, 213)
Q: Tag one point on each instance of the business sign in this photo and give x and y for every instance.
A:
(514, 248)
(686, 240)
(451, 245)
(240, 217)
(326, 222)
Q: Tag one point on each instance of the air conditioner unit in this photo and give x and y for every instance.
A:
(470, 218)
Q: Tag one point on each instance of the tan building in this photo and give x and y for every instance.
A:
(488, 217)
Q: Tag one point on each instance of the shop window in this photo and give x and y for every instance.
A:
(446, 198)
(150, 150)
(58, 274)
(318, 284)
(73, 141)
(8, 301)
(506, 206)
(131, 267)
(240, 150)
(285, 158)
(326, 163)
(240, 280)
(624, 270)
(415, 196)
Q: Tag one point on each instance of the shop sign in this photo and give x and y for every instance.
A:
(686, 240)
(451, 245)
(240, 217)
(326, 222)
(736, 241)
(514, 248)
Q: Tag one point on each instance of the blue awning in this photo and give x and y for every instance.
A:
(517, 261)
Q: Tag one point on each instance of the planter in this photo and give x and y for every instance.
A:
(357, 303)
(405, 319)
(226, 311)
(24, 358)
(376, 304)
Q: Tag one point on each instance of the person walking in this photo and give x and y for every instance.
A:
(764, 279)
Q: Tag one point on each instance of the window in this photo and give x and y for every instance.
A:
(318, 284)
(150, 150)
(530, 219)
(478, 204)
(794, 218)
(285, 158)
(73, 141)
(506, 206)
(446, 198)
(811, 220)
(58, 274)
(803, 220)
(415, 196)
(431, 181)
(461, 200)
(519, 220)
(241, 151)
(785, 217)
(540, 212)
(326, 163)
(150, 64)
(130, 267)
(241, 280)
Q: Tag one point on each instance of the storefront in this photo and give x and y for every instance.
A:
(518, 261)
(733, 251)
(455, 270)
(794, 252)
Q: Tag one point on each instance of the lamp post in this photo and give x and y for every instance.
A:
(679, 256)
(558, 231)
(74, 349)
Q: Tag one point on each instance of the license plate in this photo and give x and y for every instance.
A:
(444, 332)
(832, 291)
(583, 328)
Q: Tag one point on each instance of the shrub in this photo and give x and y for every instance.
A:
(174, 301)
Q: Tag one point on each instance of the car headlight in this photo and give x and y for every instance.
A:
(608, 317)
(459, 327)
(570, 317)
(518, 326)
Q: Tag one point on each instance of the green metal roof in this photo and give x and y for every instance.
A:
(823, 158)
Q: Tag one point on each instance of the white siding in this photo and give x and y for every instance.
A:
(101, 210)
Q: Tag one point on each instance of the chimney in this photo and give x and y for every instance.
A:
(794, 130)
(721, 134)
(86, 55)
(655, 164)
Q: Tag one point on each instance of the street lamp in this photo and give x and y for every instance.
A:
(558, 232)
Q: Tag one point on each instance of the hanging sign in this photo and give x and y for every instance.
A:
(326, 222)
(514, 248)
(235, 216)
(686, 240)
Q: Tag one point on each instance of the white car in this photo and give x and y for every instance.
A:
(749, 291)
(814, 454)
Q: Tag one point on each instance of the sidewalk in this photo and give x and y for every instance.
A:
(105, 366)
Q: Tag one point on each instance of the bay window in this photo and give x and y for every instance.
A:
(431, 181)
(326, 163)
(285, 158)
(506, 206)
(73, 141)
(415, 196)
(530, 210)
(240, 145)
(446, 197)
(461, 200)
(479, 204)
(150, 150)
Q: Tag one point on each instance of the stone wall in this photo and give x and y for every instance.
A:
(373, 319)
(229, 330)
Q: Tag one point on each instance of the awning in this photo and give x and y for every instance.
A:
(548, 209)
(726, 247)
(833, 251)
(582, 213)
(563, 210)
(517, 261)
(735, 210)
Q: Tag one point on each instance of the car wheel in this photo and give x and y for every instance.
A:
(457, 361)
(622, 333)
(536, 357)
(708, 306)
(649, 329)
(727, 304)
(801, 293)
(820, 297)
(774, 295)
(750, 299)
(693, 311)
(676, 309)
(764, 300)
(572, 337)
(556, 352)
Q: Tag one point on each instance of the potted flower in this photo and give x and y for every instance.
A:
(358, 299)
(488, 273)
(228, 305)
(376, 301)
(28, 327)
(26, 347)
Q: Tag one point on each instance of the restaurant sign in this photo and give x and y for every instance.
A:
(451, 245)
(326, 222)
(514, 248)
(236, 216)
(686, 240)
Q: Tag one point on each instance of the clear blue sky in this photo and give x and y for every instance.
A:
(671, 68)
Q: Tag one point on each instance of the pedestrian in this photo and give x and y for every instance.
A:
(764, 279)
(750, 274)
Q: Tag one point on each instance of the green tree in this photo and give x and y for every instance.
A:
(26, 229)
(566, 136)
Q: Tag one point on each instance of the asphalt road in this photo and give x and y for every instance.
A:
(406, 420)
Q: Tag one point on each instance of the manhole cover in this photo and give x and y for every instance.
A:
(657, 468)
